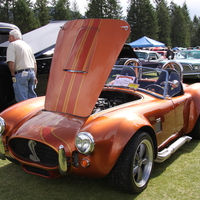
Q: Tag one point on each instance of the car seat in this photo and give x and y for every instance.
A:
(161, 78)
(178, 90)
(173, 75)
(128, 71)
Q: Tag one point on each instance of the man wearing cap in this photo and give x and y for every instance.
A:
(22, 65)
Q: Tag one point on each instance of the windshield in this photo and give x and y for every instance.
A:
(142, 55)
(162, 53)
(156, 82)
(188, 54)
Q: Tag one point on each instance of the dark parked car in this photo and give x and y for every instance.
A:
(7, 97)
(42, 40)
(6, 89)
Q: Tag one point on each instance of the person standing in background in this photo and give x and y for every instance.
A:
(170, 54)
(22, 65)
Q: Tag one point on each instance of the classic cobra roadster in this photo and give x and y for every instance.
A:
(97, 120)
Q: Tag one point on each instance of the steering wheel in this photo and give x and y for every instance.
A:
(174, 65)
(155, 88)
(134, 62)
(168, 65)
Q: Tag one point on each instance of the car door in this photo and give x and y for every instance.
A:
(181, 109)
(163, 119)
(172, 118)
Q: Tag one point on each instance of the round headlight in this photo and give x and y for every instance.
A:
(84, 143)
(196, 67)
(2, 125)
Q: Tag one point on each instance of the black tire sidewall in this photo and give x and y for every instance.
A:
(122, 173)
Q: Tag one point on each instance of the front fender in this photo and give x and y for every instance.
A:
(111, 136)
(17, 114)
(126, 130)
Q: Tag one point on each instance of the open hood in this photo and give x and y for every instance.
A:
(85, 53)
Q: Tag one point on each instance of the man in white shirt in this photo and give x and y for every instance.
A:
(22, 65)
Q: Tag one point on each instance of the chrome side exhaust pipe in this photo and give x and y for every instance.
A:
(167, 152)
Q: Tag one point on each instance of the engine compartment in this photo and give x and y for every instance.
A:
(112, 98)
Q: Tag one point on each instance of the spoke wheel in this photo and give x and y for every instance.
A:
(132, 171)
(133, 62)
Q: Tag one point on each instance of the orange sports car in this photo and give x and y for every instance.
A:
(96, 119)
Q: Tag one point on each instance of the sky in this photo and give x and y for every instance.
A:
(193, 5)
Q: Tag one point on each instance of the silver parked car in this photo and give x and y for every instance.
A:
(149, 58)
(190, 60)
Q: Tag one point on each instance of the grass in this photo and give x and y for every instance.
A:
(176, 178)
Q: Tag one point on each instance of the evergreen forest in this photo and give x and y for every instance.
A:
(166, 22)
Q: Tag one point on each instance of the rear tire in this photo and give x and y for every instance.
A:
(195, 133)
(132, 171)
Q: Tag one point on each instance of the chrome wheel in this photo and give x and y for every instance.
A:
(132, 171)
(142, 163)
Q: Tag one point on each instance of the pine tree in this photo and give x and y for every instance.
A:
(197, 42)
(188, 24)
(41, 11)
(75, 11)
(195, 37)
(24, 17)
(104, 9)
(95, 9)
(4, 11)
(164, 23)
(113, 10)
(61, 10)
(179, 26)
(142, 18)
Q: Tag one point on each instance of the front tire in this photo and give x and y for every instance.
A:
(132, 171)
(12, 160)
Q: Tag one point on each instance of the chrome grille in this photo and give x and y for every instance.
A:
(33, 151)
(187, 68)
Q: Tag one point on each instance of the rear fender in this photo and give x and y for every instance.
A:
(194, 91)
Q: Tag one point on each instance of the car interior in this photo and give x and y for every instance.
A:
(149, 81)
